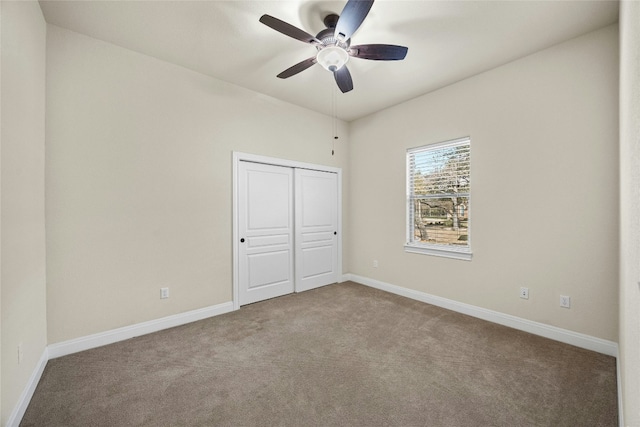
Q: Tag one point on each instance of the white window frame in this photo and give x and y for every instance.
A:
(447, 251)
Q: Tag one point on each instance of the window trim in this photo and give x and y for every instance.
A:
(427, 249)
(461, 253)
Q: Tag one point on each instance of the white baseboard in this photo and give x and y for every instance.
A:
(577, 339)
(109, 337)
(23, 402)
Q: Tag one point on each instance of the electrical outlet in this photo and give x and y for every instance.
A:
(565, 301)
(524, 293)
(164, 293)
(20, 353)
(375, 263)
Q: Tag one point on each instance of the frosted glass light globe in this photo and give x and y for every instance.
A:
(332, 58)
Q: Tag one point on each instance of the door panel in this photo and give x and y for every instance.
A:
(324, 236)
(316, 227)
(267, 269)
(256, 242)
(317, 261)
(265, 227)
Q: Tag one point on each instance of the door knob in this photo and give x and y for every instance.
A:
(242, 240)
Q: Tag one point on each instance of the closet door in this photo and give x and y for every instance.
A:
(265, 229)
(316, 228)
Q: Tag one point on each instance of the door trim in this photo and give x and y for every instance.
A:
(255, 158)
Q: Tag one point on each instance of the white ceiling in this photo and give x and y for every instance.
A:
(447, 40)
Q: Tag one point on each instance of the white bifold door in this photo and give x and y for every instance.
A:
(265, 226)
(316, 225)
(287, 227)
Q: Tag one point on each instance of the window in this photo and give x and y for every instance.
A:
(438, 196)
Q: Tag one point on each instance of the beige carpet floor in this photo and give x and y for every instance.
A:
(342, 355)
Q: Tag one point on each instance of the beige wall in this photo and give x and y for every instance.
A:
(23, 301)
(138, 180)
(544, 198)
(629, 208)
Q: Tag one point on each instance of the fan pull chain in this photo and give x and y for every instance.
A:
(334, 108)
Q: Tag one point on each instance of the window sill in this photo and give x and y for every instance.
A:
(463, 254)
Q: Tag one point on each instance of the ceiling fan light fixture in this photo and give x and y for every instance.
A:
(334, 43)
(332, 58)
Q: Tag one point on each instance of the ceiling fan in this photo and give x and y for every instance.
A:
(334, 43)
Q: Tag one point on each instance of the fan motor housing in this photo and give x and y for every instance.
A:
(327, 37)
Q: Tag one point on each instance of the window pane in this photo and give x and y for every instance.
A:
(438, 191)
(441, 221)
(442, 170)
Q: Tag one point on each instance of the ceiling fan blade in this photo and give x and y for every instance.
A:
(351, 18)
(379, 52)
(300, 66)
(343, 78)
(288, 29)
